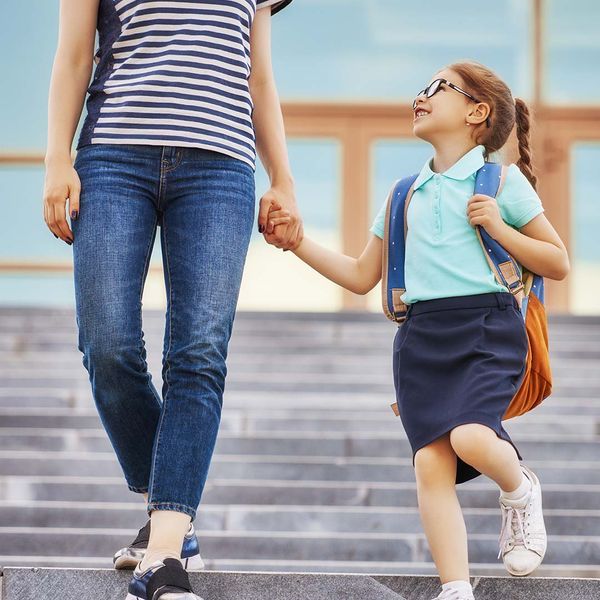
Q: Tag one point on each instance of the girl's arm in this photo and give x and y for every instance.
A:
(359, 275)
(536, 245)
(70, 77)
(270, 136)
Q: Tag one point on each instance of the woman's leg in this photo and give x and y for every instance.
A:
(167, 529)
(113, 239)
(206, 224)
(443, 522)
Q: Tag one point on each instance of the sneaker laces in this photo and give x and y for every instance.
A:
(513, 527)
(451, 594)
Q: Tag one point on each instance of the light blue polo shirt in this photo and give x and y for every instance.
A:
(443, 254)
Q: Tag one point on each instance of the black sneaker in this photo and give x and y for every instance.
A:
(131, 556)
(165, 579)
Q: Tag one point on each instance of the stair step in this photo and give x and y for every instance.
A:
(286, 492)
(576, 402)
(310, 566)
(245, 421)
(73, 584)
(369, 519)
(389, 442)
(297, 545)
(75, 462)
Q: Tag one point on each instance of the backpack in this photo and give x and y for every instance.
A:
(527, 287)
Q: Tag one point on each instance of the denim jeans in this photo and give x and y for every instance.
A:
(203, 202)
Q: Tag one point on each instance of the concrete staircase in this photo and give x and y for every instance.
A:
(312, 471)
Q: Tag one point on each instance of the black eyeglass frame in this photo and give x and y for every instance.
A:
(438, 83)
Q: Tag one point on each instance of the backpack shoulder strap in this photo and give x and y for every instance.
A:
(394, 239)
(488, 181)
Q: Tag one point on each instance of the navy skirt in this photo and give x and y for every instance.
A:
(457, 361)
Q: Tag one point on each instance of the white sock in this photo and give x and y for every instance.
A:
(521, 492)
(464, 587)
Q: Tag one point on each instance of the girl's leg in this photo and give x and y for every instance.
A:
(443, 522)
(113, 240)
(206, 224)
(523, 538)
(480, 447)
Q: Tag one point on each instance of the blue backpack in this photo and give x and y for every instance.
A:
(527, 287)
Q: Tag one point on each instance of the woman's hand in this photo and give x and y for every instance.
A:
(61, 183)
(483, 210)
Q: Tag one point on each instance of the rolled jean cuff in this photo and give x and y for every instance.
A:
(182, 508)
(143, 490)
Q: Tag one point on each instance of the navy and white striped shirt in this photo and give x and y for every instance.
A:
(174, 73)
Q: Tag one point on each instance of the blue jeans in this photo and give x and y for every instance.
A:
(203, 202)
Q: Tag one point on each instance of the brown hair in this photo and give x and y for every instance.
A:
(505, 112)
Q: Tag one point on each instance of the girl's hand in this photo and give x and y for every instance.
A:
(277, 216)
(61, 183)
(483, 210)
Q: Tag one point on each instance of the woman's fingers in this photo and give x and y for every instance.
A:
(61, 226)
(74, 200)
(51, 217)
(266, 202)
(47, 218)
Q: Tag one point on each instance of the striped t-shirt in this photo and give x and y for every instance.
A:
(174, 73)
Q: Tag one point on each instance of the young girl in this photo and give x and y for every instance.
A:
(462, 349)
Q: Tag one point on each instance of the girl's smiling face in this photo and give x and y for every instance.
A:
(447, 111)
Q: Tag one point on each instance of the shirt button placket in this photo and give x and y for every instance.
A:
(436, 205)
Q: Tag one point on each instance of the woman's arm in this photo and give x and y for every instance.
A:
(70, 78)
(536, 245)
(270, 136)
(359, 275)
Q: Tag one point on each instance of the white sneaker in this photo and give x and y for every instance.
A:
(523, 539)
(454, 595)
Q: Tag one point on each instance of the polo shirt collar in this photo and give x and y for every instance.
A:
(471, 162)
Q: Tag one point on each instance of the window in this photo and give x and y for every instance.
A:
(572, 52)
(585, 225)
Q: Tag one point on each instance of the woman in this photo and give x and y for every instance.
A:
(179, 92)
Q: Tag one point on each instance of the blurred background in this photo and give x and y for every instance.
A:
(347, 71)
(312, 472)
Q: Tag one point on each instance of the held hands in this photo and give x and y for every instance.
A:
(278, 217)
(279, 220)
(483, 210)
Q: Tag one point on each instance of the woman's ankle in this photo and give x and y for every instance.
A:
(153, 556)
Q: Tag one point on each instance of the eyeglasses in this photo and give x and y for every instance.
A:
(435, 86)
